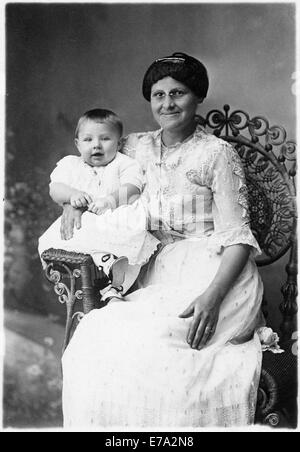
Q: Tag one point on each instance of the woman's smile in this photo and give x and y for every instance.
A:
(171, 114)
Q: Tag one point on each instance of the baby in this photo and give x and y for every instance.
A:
(107, 185)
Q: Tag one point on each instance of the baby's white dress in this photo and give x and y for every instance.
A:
(122, 231)
(128, 365)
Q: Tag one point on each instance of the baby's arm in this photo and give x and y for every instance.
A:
(64, 194)
(131, 182)
(126, 194)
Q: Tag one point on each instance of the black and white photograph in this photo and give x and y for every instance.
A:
(149, 219)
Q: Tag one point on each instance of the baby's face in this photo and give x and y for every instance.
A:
(97, 143)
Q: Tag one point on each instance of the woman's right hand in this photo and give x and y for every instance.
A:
(70, 217)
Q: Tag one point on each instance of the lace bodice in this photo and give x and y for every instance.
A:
(194, 188)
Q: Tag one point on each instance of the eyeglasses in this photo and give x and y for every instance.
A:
(171, 60)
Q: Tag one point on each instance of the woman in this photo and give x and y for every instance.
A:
(182, 350)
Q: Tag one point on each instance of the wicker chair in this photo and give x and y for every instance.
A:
(269, 161)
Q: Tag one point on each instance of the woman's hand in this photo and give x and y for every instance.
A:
(205, 311)
(99, 206)
(70, 217)
(80, 199)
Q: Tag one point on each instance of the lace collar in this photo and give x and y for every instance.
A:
(198, 133)
(162, 152)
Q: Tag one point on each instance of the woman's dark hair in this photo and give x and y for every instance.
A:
(102, 116)
(181, 67)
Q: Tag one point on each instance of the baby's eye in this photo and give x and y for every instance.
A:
(105, 138)
(87, 139)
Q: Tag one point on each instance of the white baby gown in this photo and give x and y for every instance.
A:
(122, 231)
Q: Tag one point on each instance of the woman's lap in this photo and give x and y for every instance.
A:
(144, 341)
(146, 374)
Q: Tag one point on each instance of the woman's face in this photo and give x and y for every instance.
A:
(173, 104)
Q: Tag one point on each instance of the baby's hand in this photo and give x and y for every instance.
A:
(80, 199)
(99, 206)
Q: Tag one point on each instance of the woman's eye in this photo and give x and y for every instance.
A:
(158, 95)
(177, 93)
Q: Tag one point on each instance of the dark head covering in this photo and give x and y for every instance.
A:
(181, 67)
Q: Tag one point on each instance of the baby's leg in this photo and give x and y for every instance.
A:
(130, 277)
(113, 267)
(122, 274)
(116, 293)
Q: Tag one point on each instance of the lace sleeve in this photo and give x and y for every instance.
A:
(230, 202)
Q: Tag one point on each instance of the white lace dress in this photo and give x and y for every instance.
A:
(128, 365)
(121, 231)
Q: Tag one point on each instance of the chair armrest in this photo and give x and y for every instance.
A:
(75, 278)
